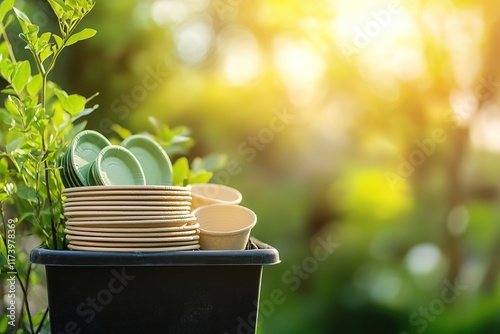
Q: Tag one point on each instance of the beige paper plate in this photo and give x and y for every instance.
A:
(122, 207)
(126, 213)
(125, 187)
(133, 244)
(157, 239)
(184, 227)
(130, 223)
(135, 249)
(136, 225)
(125, 198)
(185, 217)
(133, 234)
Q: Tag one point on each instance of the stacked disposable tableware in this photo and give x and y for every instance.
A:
(143, 218)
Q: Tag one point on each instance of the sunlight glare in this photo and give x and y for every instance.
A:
(240, 55)
(193, 41)
(297, 62)
(168, 11)
(485, 132)
(423, 258)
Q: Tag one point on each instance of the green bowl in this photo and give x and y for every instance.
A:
(118, 166)
(153, 159)
(85, 148)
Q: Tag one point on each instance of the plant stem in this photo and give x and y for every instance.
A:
(25, 298)
(4, 224)
(40, 326)
(7, 42)
(46, 165)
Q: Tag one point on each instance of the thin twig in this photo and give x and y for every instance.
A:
(7, 42)
(40, 326)
(25, 300)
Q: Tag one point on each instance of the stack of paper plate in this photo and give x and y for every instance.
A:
(130, 218)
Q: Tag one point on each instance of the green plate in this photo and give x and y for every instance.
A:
(70, 173)
(118, 166)
(84, 150)
(153, 159)
(62, 171)
(93, 180)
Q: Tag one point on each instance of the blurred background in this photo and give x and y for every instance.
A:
(364, 134)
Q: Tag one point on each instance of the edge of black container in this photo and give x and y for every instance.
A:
(263, 254)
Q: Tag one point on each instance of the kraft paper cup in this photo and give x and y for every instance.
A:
(224, 227)
(208, 194)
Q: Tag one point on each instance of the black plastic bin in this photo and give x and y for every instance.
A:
(167, 292)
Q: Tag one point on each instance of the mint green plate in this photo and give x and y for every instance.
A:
(68, 170)
(62, 171)
(118, 166)
(93, 180)
(84, 150)
(153, 159)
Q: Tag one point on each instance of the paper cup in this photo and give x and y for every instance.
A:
(208, 194)
(224, 227)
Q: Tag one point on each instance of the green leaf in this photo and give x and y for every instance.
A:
(84, 112)
(9, 91)
(27, 193)
(121, 131)
(3, 260)
(180, 171)
(34, 85)
(5, 7)
(21, 75)
(30, 114)
(81, 35)
(7, 22)
(4, 166)
(76, 103)
(73, 104)
(57, 7)
(24, 21)
(197, 165)
(18, 105)
(200, 177)
(156, 125)
(6, 117)
(76, 129)
(214, 161)
(14, 144)
(180, 140)
(59, 41)
(179, 144)
(43, 46)
(6, 67)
